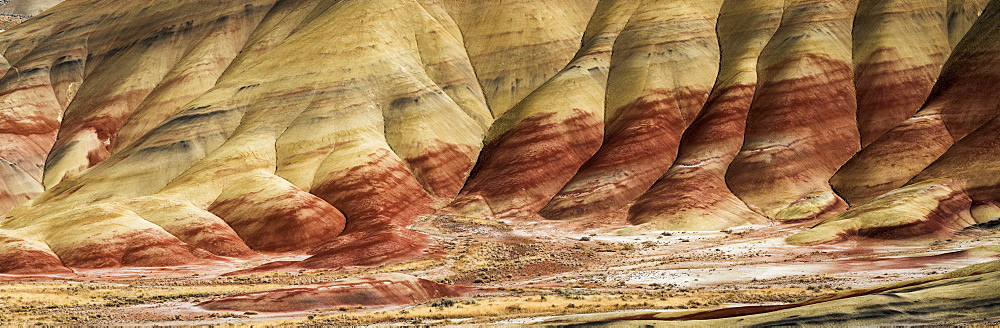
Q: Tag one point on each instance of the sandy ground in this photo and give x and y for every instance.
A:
(526, 271)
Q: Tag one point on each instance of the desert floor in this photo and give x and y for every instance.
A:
(524, 272)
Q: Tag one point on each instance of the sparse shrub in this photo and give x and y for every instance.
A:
(443, 303)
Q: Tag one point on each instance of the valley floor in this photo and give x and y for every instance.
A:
(524, 272)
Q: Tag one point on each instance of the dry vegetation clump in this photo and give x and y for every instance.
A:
(491, 261)
(9, 21)
(467, 225)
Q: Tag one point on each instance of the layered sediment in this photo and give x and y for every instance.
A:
(959, 104)
(662, 68)
(796, 138)
(692, 194)
(378, 289)
(161, 134)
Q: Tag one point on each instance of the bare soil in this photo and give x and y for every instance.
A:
(525, 271)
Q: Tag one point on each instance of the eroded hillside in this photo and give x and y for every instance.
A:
(151, 134)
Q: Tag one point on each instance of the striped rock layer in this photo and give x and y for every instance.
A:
(956, 106)
(169, 133)
(796, 138)
(662, 68)
(693, 194)
(943, 159)
(377, 289)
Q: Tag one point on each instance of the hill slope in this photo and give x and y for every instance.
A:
(283, 126)
(138, 133)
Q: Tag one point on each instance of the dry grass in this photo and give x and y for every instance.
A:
(7, 22)
(517, 275)
(63, 302)
(548, 302)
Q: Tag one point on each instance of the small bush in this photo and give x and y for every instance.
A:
(443, 303)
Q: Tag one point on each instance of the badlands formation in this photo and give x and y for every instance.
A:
(256, 136)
